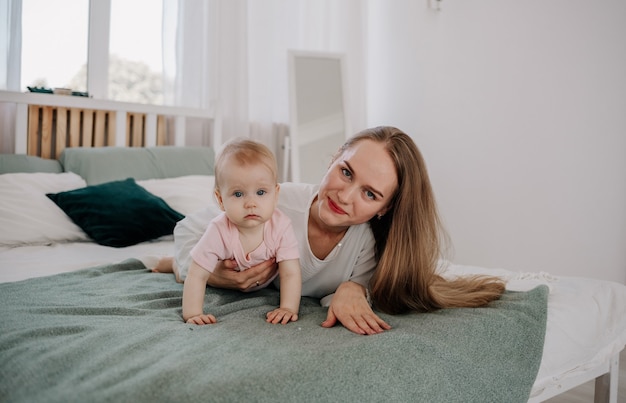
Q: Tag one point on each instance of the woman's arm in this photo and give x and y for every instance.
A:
(349, 306)
(226, 275)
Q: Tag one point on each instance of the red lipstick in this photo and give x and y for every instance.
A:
(334, 207)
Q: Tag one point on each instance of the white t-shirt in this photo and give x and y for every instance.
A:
(352, 259)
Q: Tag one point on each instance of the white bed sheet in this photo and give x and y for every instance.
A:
(586, 323)
(21, 263)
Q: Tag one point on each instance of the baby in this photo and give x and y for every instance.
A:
(250, 230)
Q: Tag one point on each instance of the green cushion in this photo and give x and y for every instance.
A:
(105, 164)
(119, 213)
(15, 163)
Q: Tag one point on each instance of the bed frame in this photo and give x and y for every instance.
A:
(46, 124)
(606, 376)
(51, 129)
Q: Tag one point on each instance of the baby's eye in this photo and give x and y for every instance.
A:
(238, 194)
(260, 192)
(346, 172)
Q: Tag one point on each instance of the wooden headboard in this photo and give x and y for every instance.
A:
(52, 128)
(45, 124)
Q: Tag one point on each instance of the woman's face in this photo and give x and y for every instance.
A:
(359, 184)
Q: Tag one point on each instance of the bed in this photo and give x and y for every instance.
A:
(84, 318)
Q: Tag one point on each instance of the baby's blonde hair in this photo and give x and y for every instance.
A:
(244, 151)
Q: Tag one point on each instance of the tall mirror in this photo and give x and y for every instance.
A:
(318, 124)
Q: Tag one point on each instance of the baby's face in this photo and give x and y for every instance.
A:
(248, 194)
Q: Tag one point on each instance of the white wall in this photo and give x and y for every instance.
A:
(520, 110)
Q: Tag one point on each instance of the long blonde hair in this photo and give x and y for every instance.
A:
(410, 239)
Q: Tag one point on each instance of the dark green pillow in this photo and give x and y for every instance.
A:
(119, 213)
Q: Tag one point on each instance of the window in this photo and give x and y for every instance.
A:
(56, 36)
(135, 55)
(54, 44)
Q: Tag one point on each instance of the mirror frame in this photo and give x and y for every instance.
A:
(292, 143)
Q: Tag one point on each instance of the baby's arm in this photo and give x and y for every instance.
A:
(290, 293)
(193, 296)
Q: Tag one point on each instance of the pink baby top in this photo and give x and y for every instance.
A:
(220, 241)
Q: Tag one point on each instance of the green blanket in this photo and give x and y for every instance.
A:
(115, 334)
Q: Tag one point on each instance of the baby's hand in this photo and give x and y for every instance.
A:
(281, 315)
(202, 320)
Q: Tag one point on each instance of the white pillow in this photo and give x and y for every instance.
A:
(27, 216)
(185, 194)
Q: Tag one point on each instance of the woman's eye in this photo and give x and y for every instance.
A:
(370, 195)
(260, 192)
(238, 194)
(346, 172)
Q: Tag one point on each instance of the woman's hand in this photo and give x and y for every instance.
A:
(226, 275)
(349, 306)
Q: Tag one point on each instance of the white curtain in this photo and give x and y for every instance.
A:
(231, 55)
(234, 53)
(10, 54)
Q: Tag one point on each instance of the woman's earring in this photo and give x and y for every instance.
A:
(380, 216)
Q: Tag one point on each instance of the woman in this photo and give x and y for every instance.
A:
(370, 229)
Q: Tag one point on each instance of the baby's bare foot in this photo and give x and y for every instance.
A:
(165, 265)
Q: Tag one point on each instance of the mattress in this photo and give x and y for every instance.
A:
(586, 323)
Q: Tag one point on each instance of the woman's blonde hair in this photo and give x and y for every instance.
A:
(410, 239)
